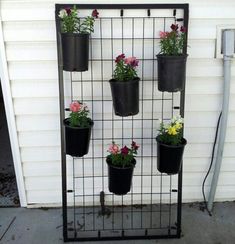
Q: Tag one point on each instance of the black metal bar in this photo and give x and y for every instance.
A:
(124, 6)
(92, 141)
(182, 102)
(62, 114)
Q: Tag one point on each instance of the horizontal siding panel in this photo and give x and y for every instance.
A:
(45, 197)
(53, 168)
(206, 119)
(51, 122)
(45, 30)
(34, 88)
(48, 69)
(201, 48)
(30, 154)
(201, 29)
(52, 138)
(28, 11)
(37, 139)
(45, 10)
(31, 51)
(35, 106)
(29, 31)
(206, 135)
(46, 51)
(202, 164)
(194, 194)
(49, 88)
(190, 179)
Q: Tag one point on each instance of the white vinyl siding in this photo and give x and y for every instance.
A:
(30, 42)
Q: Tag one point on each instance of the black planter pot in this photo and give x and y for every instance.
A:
(77, 139)
(125, 96)
(75, 49)
(119, 179)
(169, 157)
(171, 73)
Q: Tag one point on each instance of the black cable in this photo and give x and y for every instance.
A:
(212, 158)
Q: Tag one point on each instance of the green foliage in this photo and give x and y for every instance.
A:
(71, 23)
(124, 72)
(125, 68)
(80, 117)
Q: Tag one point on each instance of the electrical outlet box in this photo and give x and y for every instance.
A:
(219, 39)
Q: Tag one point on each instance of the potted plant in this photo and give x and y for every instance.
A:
(75, 34)
(125, 86)
(171, 60)
(170, 146)
(78, 130)
(121, 163)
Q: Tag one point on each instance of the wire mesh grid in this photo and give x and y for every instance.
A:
(152, 209)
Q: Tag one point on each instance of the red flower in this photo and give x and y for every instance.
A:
(95, 13)
(124, 150)
(183, 29)
(119, 58)
(68, 10)
(174, 27)
(134, 146)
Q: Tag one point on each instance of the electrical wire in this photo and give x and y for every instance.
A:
(209, 169)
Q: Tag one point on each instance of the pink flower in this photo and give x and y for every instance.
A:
(174, 27)
(183, 29)
(95, 13)
(119, 58)
(163, 34)
(68, 10)
(75, 106)
(132, 61)
(134, 146)
(125, 150)
(114, 149)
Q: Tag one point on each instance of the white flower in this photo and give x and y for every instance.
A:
(177, 119)
(62, 13)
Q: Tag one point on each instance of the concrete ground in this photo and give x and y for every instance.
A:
(37, 226)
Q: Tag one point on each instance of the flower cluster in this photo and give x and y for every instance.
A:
(122, 157)
(78, 116)
(172, 42)
(125, 68)
(171, 133)
(71, 23)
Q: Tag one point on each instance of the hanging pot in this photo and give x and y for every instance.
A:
(75, 50)
(171, 73)
(119, 179)
(169, 158)
(125, 96)
(77, 139)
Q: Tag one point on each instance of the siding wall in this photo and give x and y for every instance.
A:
(30, 41)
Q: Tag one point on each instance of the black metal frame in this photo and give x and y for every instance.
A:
(119, 233)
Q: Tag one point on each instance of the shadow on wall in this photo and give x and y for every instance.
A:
(8, 187)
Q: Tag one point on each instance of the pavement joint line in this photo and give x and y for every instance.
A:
(8, 227)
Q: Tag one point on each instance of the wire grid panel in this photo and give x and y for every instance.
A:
(149, 209)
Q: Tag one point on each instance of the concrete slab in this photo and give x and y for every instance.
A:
(37, 226)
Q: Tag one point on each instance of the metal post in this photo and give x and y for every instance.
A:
(228, 50)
